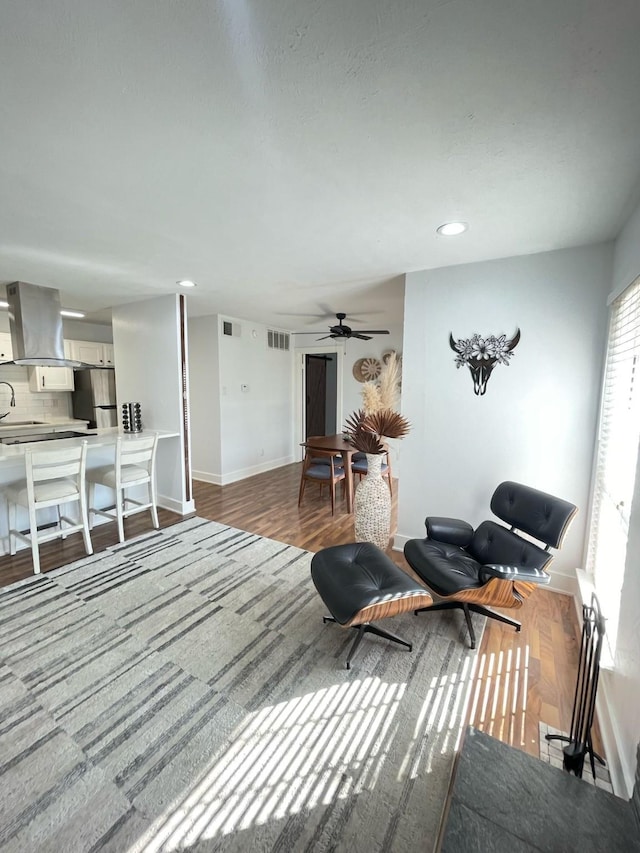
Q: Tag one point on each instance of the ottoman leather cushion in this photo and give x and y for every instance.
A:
(360, 577)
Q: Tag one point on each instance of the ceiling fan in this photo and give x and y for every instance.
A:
(342, 331)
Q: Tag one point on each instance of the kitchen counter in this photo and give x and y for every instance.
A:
(96, 438)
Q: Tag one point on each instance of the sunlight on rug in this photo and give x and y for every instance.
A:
(180, 692)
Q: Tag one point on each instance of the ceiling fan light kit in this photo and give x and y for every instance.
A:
(341, 331)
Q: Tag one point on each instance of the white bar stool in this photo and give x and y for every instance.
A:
(54, 477)
(135, 465)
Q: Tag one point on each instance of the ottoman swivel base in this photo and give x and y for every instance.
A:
(371, 629)
(359, 583)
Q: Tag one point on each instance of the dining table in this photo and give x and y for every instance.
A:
(336, 444)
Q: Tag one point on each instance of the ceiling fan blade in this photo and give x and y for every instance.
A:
(373, 331)
(325, 337)
(306, 333)
(361, 337)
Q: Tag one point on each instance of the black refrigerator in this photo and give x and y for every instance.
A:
(94, 398)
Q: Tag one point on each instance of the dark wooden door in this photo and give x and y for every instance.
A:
(316, 395)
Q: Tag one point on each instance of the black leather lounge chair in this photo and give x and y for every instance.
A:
(492, 565)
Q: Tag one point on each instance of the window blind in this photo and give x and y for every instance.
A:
(616, 455)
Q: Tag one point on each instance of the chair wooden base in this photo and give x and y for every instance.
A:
(467, 609)
(498, 593)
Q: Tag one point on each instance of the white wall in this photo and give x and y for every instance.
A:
(537, 420)
(147, 354)
(255, 424)
(76, 330)
(204, 372)
(620, 688)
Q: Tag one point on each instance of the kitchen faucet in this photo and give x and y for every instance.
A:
(13, 397)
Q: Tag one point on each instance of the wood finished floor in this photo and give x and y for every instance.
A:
(521, 678)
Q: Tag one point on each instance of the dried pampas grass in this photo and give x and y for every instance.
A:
(385, 393)
(370, 397)
(389, 383)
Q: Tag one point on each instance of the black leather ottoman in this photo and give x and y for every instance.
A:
(359, 583)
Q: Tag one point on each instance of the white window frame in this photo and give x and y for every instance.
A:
(615, 458)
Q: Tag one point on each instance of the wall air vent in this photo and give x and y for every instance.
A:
(277, 340)
(231, 329)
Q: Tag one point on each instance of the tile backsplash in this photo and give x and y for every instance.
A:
(30, 405)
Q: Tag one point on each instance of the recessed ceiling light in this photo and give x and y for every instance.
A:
(452, 229)
(186, 283)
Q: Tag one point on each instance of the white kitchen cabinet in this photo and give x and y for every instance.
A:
(88, 352)
(45, 379)
(91, 352)
(6, 347)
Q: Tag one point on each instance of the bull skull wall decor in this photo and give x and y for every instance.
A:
(482, 354)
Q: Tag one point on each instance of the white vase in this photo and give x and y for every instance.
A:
(372, 505)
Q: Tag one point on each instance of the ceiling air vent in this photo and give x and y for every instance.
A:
(231, 329)
(277, 340)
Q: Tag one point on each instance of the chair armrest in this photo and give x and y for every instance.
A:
(514, 573)
(453, 531)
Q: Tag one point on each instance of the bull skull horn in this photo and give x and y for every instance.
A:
(513, 343)
(452, 342)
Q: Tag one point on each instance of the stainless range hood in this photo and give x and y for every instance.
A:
(36, 326)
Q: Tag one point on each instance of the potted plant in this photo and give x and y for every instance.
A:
(367, 432)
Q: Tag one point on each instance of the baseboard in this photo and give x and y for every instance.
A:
(180, 507)
(622, 773)
(565, 584)
(241, 473)
(400, 541)
(206, 477)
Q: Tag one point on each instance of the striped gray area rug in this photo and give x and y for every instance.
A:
(180, 692)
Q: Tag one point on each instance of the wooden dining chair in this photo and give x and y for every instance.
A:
(320, 466)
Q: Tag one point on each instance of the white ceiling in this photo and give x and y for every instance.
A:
(297, 155)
